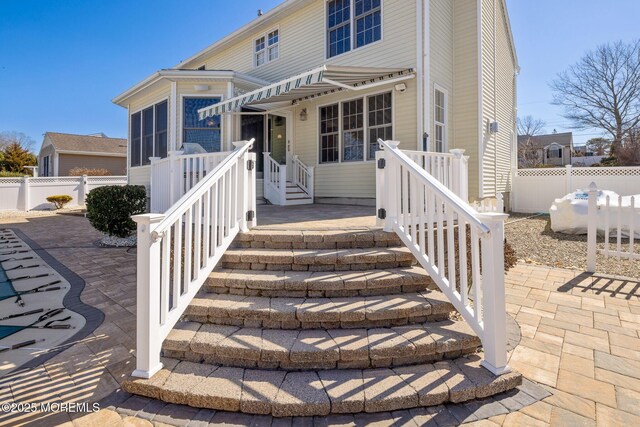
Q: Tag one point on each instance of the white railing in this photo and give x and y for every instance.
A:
(462, 250)
(177, 250)
(176, 174)
(25, 194)
(275, 180)
(616, 219)
(302, 175)
(451, 169)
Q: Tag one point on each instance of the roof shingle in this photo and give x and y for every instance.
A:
(87, 144)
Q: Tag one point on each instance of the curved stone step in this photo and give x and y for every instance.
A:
(318, 284)
(317, 259)
(314, 313)
(319, 348)
(317, 239)
(319, 393)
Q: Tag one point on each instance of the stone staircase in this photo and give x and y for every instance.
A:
(309, 323)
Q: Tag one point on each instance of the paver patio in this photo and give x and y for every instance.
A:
(580, 341)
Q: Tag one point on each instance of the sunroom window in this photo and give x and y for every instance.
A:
(347, 30)
(207, 132)
(148, 134)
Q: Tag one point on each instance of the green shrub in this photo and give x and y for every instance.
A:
(59, 201)
(6, 174)
(110, 208)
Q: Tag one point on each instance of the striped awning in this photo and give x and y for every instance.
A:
(309, 85)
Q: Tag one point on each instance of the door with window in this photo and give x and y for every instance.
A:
(279, 133)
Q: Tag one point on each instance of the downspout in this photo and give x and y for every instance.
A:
(420, 74)
(495, 100)
(426, 66)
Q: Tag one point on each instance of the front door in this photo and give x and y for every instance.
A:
(279, 138)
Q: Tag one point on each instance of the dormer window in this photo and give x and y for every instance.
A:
(267, 48)
(352, 24)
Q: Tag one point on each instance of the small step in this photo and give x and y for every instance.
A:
(317, 259)
(320, 393)
(318, 284)
(297, 196)
(319, 348)
(312, 313)
(317, 239)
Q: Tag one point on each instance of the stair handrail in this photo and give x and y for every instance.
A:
(179, 249)
(302, 175)
(432, 222)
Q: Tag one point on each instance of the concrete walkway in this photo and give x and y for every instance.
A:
(580, 341)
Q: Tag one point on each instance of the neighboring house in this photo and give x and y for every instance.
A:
(61, 152)
(555, 149)
(319, 81)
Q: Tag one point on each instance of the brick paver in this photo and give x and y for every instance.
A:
(580, 341)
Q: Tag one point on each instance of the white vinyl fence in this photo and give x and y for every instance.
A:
(535, 190)
(25, 194)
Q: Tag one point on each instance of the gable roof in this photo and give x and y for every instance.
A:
(543, 141)
(87, 144)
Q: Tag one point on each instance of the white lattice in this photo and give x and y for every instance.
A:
(55, 179)
(542, 172)
(600, 172)
(11, 180)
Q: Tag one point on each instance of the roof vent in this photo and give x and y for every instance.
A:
(259, 12)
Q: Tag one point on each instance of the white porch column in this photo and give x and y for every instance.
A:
(460, 173)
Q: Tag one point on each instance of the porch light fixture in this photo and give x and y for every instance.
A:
(303, 115)
(401, 87)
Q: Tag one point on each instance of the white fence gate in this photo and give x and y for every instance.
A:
(25, 194)
(535, 190)
(618, 220)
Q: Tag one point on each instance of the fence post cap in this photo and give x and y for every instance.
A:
(458, 152)
(493, 216)
(392, 144)
(593, 187)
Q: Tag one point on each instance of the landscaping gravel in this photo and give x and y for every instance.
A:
(535, 242)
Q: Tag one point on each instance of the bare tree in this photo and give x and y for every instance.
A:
(629, 151)
(599, 146)
(530, 126)
(12, 137)
(602, 90)
(528, 154)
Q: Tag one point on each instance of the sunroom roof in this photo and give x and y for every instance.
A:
(311, 84)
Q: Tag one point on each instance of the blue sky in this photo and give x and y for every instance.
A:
(62, 61)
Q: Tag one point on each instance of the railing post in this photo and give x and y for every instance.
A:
(592, 228)
(243, 181)
(460, 173)
(569, 179)
(494, 339)
(310, 184)
(148, 339)
(156, 187)
(251, 185)
(391, 187)
(283, 185)
(176, 177)
(380, 188)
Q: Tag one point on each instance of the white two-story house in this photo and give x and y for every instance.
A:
(316, 82)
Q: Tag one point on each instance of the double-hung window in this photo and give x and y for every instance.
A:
(149, 134)
(349, 130)
(207, 132)
(352, 24)
(440, 120)
(267, 48)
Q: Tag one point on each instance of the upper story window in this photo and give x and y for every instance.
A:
(149, 134)
(352, 24)
(207, 132)
(267, 48)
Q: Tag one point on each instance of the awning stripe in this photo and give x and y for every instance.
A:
(307, 85)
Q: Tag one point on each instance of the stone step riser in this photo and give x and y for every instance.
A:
(320, 393)
(261, 266)
(314, 284)
(320, 349)
(336, 239)
(318, 313)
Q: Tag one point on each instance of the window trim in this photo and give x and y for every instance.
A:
(140, 110)
(364, 97)
(445, 125)
(180, 123)
(254, 54)
(352, 23)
